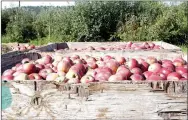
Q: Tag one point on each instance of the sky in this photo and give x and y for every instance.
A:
(9, 4)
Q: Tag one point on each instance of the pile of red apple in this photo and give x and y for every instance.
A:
(126, 46)
(24, 47)
(88, 69)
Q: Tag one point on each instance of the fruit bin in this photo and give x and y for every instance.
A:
(106, 100)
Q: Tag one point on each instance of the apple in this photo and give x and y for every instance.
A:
(74, 57)
(92, 65)
(8, 72)
(140, 60)
(113, 65)
(80, 67)
(25, 60)
(73, 81)
(180, 60)
(129, 44)
(21, 76)
(136, 70)
(165, 71)
(18, 72)
(7, 77)
(154, 77)
(124, 71)
(132, 63)
(91, 72)
(178, 63)
(63, 66)
(151, 60)
(174, 76)
(44, 72)
(116, 77)
(147, 74)
(22, 48)
(39, 67)
(107, 57)
(120, 60)
(104, 69)
(91, 48)
(185, 75)
(34, 76)
(144, 66)
(185, 66)
(181, 70)
(183, 79)
(74, 73)
(68, 60)
(91, 59)
(61, 79)
(52, 76)
(137, 77)
(87, 79)
(102, 76)
(166, 61)
(100, 63)
(29, 68)
(55, 63)
(20, 67)
(155, 67)
(152, 45)
(49, 65)
(169, 66)
(47, 59)
(78, 61)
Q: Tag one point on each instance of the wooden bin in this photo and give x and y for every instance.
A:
(120, 100)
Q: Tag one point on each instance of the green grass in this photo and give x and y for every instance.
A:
(183, 48)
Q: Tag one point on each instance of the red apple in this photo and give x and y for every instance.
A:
(180, 59)
(120, 60)
(165, 71)
(49, 65)
(174, 76)
(22, 48)
(44, 72)
(39, 67)
(185, 75)
(151, 60)
(92, 65)
(74, 73)
(154, 77)
(21, 76)
(68, 60)
(104, 69)
(116, 77)
(52, 76)
(87, 79)
(181, 70)
(124, 71)
(91, 72)
(152, 45)
(20, 67)
(107, 57)
(178, 63)
(136, 70)
(34, 76)
(136, 77)
(102, 76)
(74, 57)
(129, 44)
(29, 68)
(100, 63)
(91, 48)
(7, 77)
(61, 73)
(18, 72)
(147, 74)
(169, 66)
(91, 59)
(47, 59)
(8, 72)
(144, 66)
(132, 63)
(166, 61)
(183, 79)
(113, 65)
(155, 67)
(63, 66)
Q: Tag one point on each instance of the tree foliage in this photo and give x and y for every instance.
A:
(97, 21)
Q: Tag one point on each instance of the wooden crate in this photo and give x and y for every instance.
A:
(119, 100)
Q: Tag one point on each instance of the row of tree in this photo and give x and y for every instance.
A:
(98, 21)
